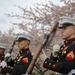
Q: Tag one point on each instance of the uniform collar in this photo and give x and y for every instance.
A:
(24, 50)
(1, 56)
(70, 41)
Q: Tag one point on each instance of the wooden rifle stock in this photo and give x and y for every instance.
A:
(31, 66)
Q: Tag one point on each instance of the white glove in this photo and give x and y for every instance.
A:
(56, 49)
(3, 64)
(7, 55)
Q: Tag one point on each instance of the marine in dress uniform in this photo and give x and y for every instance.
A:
(64, 62)
(19, 65)
(2, 51)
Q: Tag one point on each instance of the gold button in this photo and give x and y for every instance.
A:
(15, 61)
(14, 64)
(8, 66)
(21, 51)
(61, 48)
(57, 60)
(11, 67)
(45, 62)
(19, 55)
(64, 52)
(53, 65)
(18, 60)
(49, 63)
(64, 45)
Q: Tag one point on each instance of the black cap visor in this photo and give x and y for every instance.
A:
(21, 39)
(2, 48)
(65, 25)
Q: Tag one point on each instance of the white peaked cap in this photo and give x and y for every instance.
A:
(66, 21)
(2, 45)
(24, 36)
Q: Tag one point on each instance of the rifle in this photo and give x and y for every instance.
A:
(11, 49)
(7, 58)
(46, 38)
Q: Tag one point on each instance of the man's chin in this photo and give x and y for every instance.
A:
(64, 38)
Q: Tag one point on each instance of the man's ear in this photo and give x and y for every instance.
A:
(27, 42)
(73, 30)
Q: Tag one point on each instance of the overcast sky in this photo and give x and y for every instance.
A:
(7, 6)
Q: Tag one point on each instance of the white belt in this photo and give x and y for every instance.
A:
(71, 72)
